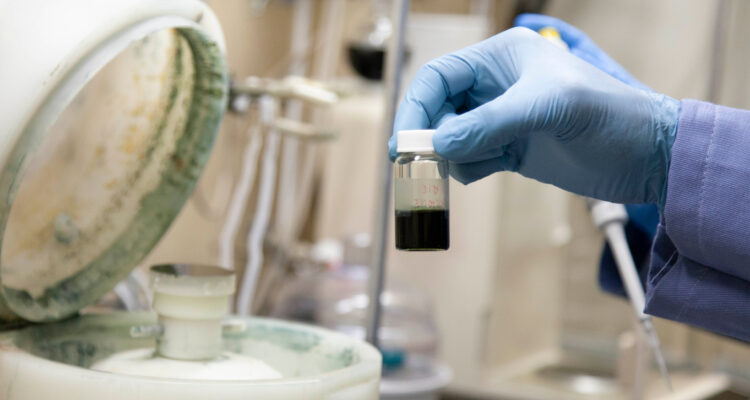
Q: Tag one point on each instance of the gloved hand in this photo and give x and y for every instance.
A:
(517, 102)
(642, 218)
(581, 46)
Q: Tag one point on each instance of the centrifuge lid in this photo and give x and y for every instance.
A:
(109, 113)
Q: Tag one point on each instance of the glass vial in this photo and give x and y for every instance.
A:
(421, 193)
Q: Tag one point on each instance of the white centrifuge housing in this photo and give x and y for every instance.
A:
(108, 114)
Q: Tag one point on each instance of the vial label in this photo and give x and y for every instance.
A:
(421, 194)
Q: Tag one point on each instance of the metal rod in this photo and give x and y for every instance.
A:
(394, 60)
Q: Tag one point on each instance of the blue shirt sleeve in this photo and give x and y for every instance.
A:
(700, 261)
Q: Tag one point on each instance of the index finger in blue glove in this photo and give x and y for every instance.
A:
(467, 173)
(486, 131)
(432, 93)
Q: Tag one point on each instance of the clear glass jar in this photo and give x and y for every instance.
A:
(421, 194)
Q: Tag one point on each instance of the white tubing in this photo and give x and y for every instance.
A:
(302, 204)
(300, 41)
(262, 215)
(288, 184)
(241, 195)
(329, 49)
(324, 69)
(300, 44)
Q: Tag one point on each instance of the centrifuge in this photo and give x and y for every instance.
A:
(109, 114)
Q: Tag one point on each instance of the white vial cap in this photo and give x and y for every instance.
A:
(417, 140)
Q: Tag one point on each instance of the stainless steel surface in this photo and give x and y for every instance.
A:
(581, 380)
(393, 71)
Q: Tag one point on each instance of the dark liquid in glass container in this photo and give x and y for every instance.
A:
(367, 60)
(422, 230)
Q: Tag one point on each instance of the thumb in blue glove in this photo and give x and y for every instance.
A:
(515, 102)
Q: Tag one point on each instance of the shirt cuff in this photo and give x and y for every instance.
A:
(707, 208)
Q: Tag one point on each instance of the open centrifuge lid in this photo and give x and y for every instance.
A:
(108, 114)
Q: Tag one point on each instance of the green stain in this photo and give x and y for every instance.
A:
(204, 110)
(84, 340)
(289, 338)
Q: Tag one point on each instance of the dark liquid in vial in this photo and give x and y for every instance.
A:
(367, 60)
(422, 230)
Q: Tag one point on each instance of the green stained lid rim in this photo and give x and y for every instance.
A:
(157, 209)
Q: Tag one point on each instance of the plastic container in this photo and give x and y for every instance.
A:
(336, 298)
(421, 194)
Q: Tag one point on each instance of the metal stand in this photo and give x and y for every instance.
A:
(394, 61)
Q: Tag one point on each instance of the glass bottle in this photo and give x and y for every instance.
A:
(421, 193)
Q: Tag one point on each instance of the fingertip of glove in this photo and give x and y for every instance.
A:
(459, 176)
(469, 173)
(533, 21)
(524, 19)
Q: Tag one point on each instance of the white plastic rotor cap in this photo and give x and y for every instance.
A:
(191, 301)
(414, 141)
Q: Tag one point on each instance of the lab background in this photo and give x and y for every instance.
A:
(515, 302)
(516, 306)
(513, 309)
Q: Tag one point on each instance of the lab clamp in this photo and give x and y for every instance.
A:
(289, 88)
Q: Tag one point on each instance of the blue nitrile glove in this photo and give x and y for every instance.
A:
(642, 218)
(580, 45)
(517, 102)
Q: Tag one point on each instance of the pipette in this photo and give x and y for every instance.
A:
(610, 218)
